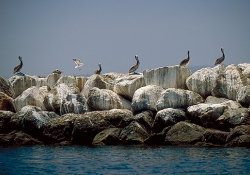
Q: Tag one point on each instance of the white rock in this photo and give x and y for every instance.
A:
(127, 85)
(243, 95)
(167, 77)
(145, 98)
(230, 103)
(178, 98)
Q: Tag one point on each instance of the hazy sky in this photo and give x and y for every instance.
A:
(48, 34)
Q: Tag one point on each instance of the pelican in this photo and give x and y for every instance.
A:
(19, 67)
(135, 67)
(221, 59)
(57, 71)
(185, 61)
(78, 63)
(100, 69)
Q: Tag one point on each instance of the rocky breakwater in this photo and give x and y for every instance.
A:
(167, 105)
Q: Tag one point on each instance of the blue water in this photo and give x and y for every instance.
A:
(123, 160)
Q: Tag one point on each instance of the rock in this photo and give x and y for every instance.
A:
(108, 136)
(30, 96)
(103, 99)
(167, 77)
(215, 136)
(6, 102)
(209, 119)
(243, 95)
(145, 98)
(6, 88)
(234, 117)
(230, 103)
(99, 82)
(238, 131)
(157, 138)
(112, 76)
(59, 129)
(228, 83)
(31, 119)
(5, 117)
(146, 119)
(203, 80)
(245, 68)
(167, 117)
(177, 98)
(134, 133)
(184, 133)
(87, 125)
(74, 81)
(18, 138)
(53, 78)
(21, 83)
(197, 110)
(127, 85)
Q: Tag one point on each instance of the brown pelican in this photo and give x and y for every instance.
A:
(221, 59)
(135, 67)
(19, 67)
(185, 61)
(57, 71)
(78, 63)
(100, 69)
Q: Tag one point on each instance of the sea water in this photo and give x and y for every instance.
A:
(123, 160)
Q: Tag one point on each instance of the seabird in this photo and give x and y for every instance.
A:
(221, 59)
(135, 67)
(78, 63)
(57, 71)
(100, 69)
(185, 61)
(19, 67)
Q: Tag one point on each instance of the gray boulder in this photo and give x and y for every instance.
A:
(223, 101)
(6, 88)
(145, 98)
(239, 136)
(108, 136)
(177, 98)
(243, 95)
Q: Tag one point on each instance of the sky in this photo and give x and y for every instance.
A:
(48, 34)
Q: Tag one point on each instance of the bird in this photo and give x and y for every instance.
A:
(57, 71)
(135, 67)
(78, 63)
(19, 67)
(100, 69)
(221, 59)
(185, 61)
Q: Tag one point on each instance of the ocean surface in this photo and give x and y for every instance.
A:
(123, 160)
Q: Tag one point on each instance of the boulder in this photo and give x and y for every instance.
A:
(215, 136)
(108, 136)
(245, 68)
(243, 95)
(228, 83)
(158, 138)
(5, 117)
(178, 98)
(52, 79)
(239, 136)
(18, 138)
(87, 125)
(203, 80)
(59, 129)
(134, 133)
(97, 81)
(167, 77)
(145, 98)
(103, 99)
(75, 81)
(184, 133)
(208, 119)
(21, 83)
(167, 117)
(127, 85)
(235, 117)
(6, 102)
(6, 88)
(146, 119)
(230, 103)
(30, 96)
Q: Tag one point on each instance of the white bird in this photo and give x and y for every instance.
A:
(78, 63)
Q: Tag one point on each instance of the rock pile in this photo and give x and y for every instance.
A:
(167, 105)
